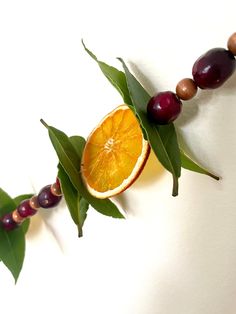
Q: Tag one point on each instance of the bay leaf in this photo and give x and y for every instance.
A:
(163, 139)
(115, 77)
(191, 165)
(70, 161)
(72, 198)
(84, 206)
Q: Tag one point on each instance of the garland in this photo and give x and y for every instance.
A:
(155, 114)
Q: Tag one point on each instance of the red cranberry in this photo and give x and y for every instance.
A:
(213, 68)
(164, 107)
(8, 223)
(46, 199)
(25, 210)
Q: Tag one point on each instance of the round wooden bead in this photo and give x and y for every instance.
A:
(56, 189)
(232, 44)
(186, 89)
(34, 202)
(17, 217)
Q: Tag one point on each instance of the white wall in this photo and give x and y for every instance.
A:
(172, 255)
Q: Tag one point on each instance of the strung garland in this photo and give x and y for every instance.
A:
(155, 115)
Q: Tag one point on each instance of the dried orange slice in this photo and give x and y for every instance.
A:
(115, 154)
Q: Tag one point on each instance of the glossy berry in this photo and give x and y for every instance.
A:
(164, 107)
(8, 223)
(46, 199)
(25, 210)
(213, 68)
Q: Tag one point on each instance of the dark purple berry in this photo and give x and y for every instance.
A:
(213, 68)
(46, 199)
(25, 210)
(8, 223)
(164, 107)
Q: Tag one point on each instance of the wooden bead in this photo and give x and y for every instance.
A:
(56, 189)
(186, 89)
(34, 202)
(232, 44)
(17, 217)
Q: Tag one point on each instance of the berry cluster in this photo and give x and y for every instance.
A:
(210, 71)
(48, 197)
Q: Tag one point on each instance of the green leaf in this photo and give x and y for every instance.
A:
(72, 198)
(76, 204)
(189, 164)
(12, 243)
(70, 161)
(18, 199)
(25, 225)
(114, 76)
(84, 205)
(7, 204)
(12, 250)
(162, 139)
(78, 143)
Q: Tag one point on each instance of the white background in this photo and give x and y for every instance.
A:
(172, 255)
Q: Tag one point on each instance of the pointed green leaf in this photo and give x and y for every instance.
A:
(7, 204)
(12, 243)
(114, 76)
(18, 199)
(70, 161)
(76, 204)
(71, 197)
(189, 164)
(25, 225)
(12, 250)
(84, 206)
(79, 143)
(162, 139)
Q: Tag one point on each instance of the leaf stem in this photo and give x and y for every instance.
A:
(44, 123)
(213, 176)
(175, 186)
(80, 231)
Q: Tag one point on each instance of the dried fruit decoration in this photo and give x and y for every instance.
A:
(115, 154)
(116, 151)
